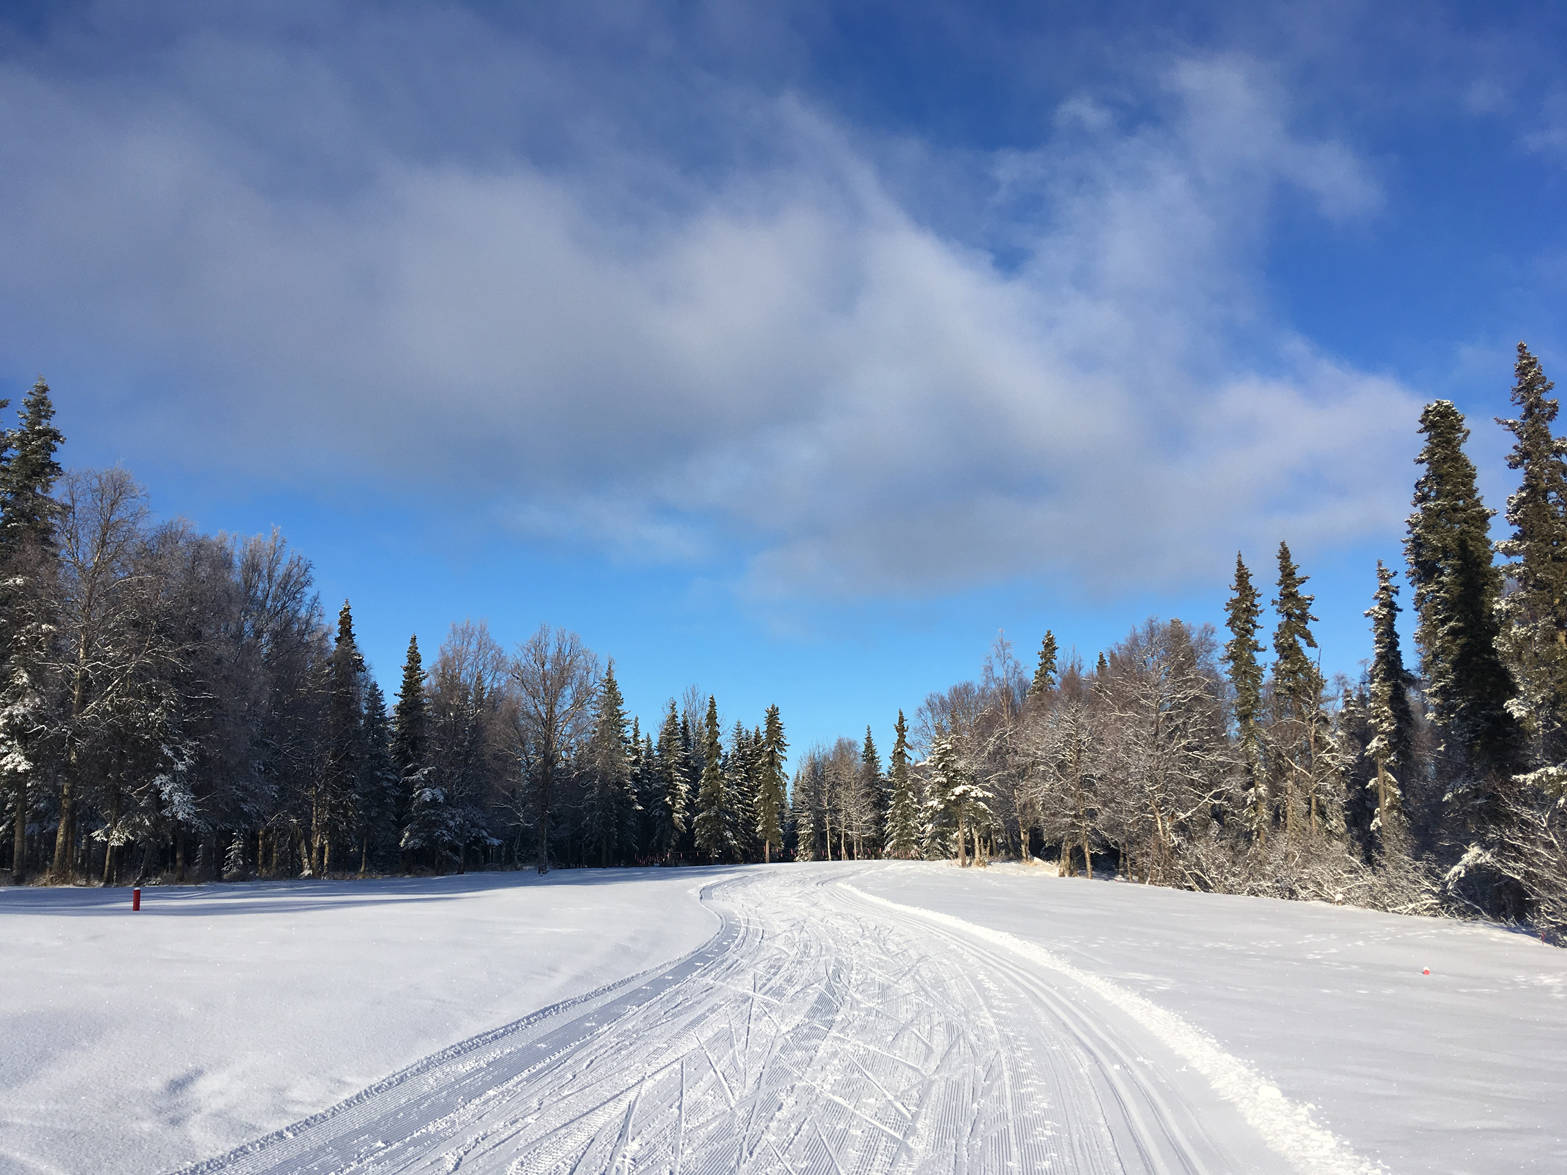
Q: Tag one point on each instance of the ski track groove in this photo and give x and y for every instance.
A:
(820, 1029)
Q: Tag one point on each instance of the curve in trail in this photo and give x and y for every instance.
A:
(821, 1029)
(1289, 1128)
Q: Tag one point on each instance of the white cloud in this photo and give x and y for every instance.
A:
(686, 324)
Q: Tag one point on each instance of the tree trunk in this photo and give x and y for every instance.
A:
(19, 851)
(114, 824)
(962, 834)
(546, 778)
(65, 833)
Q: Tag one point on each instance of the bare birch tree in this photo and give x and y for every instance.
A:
(556, 677)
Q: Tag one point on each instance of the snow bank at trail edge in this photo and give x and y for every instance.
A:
(1287, 1126)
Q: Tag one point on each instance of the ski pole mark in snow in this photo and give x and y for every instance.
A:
(1287, 1126)
(820, 1029)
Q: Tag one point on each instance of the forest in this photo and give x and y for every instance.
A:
(175, 705)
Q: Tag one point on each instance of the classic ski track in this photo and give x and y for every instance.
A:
(819, 1029)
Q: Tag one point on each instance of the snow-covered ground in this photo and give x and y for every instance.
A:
(138, 1042)
(868, 1017)
(1458, 1070)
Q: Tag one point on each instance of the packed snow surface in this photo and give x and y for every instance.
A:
(138, 1042)
(826, 1017)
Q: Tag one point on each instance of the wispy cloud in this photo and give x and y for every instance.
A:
(702, 317)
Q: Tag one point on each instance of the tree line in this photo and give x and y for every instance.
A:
(1180, 759)
(174, 705)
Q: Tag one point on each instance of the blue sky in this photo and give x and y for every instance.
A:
(790, 353)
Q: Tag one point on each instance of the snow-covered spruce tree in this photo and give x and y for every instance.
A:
(410, 729)
(29, 570)
(640, 759)
(771, 797)
(1301, 722)
(380, 785)
(1456, 592)
(469, 749)
(903, 811)
(713, 842)
(433, 833)
(1352, 734)
(674, 792)
(1533, 634)
(959, 801)
(691, 759)
(609, 804)
(649, 790)
(872, 796)
(234, 859)
(331, 810)
(807, 804)
(740, 776)
(1243, 618)
(1045, 673)
(1391, 748)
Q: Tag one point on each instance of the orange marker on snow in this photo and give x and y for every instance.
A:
(1426, 971)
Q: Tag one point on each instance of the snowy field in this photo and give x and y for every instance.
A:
(801, 1017)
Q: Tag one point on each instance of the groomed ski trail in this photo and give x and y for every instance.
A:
(821, 1029)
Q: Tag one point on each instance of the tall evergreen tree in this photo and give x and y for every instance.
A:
(331, 812)
(771, 797)
(873, 794)
(712, 833)
(1294, 672)
(1297, 687)
(1456, 591)
(1534, 613)
(1045, 674)
(741, 775)
(649, 792)
(1391, 748)
(28, 512)
(410, 723)
(676, 790)
(28, 601)
(380, 790)
(609, 803)
(1243, 617)
(903, 813)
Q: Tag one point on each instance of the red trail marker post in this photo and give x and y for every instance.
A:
(136, 898)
